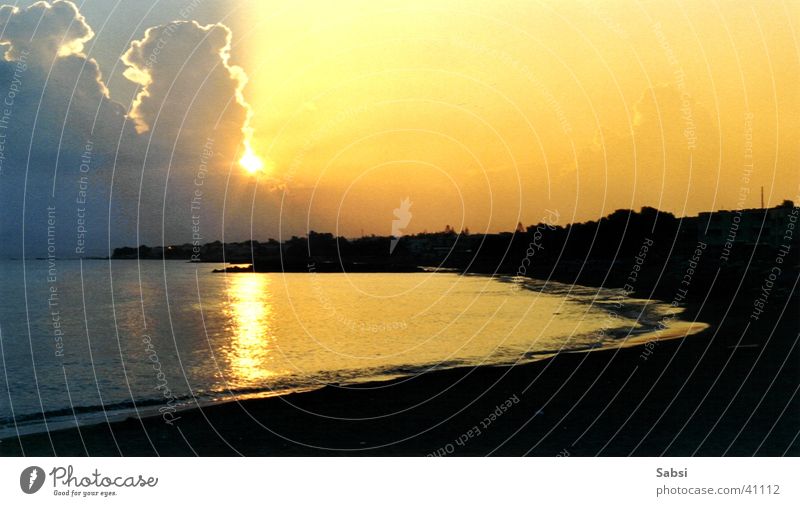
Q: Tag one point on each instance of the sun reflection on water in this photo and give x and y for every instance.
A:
(250, 315)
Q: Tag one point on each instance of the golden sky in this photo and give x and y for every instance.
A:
(488, 113)
(481, 114)
(485, 111)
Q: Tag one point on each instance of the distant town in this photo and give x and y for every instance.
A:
(593, 253)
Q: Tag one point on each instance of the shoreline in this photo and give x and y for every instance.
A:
(649, 329)
(149, 409)
(564, 406)
(718, 393)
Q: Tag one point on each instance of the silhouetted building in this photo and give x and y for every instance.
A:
(745, 226)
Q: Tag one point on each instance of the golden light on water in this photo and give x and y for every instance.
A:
(250, 312)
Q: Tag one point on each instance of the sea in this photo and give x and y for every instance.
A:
(93, 341)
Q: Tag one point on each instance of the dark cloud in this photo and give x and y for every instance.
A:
(43, 30)
(65, 144)
(49, 83)
(188, 89)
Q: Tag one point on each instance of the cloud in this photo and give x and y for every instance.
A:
(48, 81)
(43, 30)
(189, 89)
(141, 156)
(54, 100)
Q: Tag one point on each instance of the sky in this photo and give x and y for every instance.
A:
(482, 114)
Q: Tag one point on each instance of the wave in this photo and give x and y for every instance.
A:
(649, 313)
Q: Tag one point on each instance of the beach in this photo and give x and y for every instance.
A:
(709, 394)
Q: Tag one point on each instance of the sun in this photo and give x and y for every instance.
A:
(251, 162)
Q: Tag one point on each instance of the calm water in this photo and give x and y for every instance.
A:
(101, 339)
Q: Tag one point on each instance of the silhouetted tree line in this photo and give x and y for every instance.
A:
(605, 252)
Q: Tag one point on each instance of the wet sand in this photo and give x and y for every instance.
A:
(708, 394)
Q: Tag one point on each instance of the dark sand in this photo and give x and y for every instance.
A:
(695, 396)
